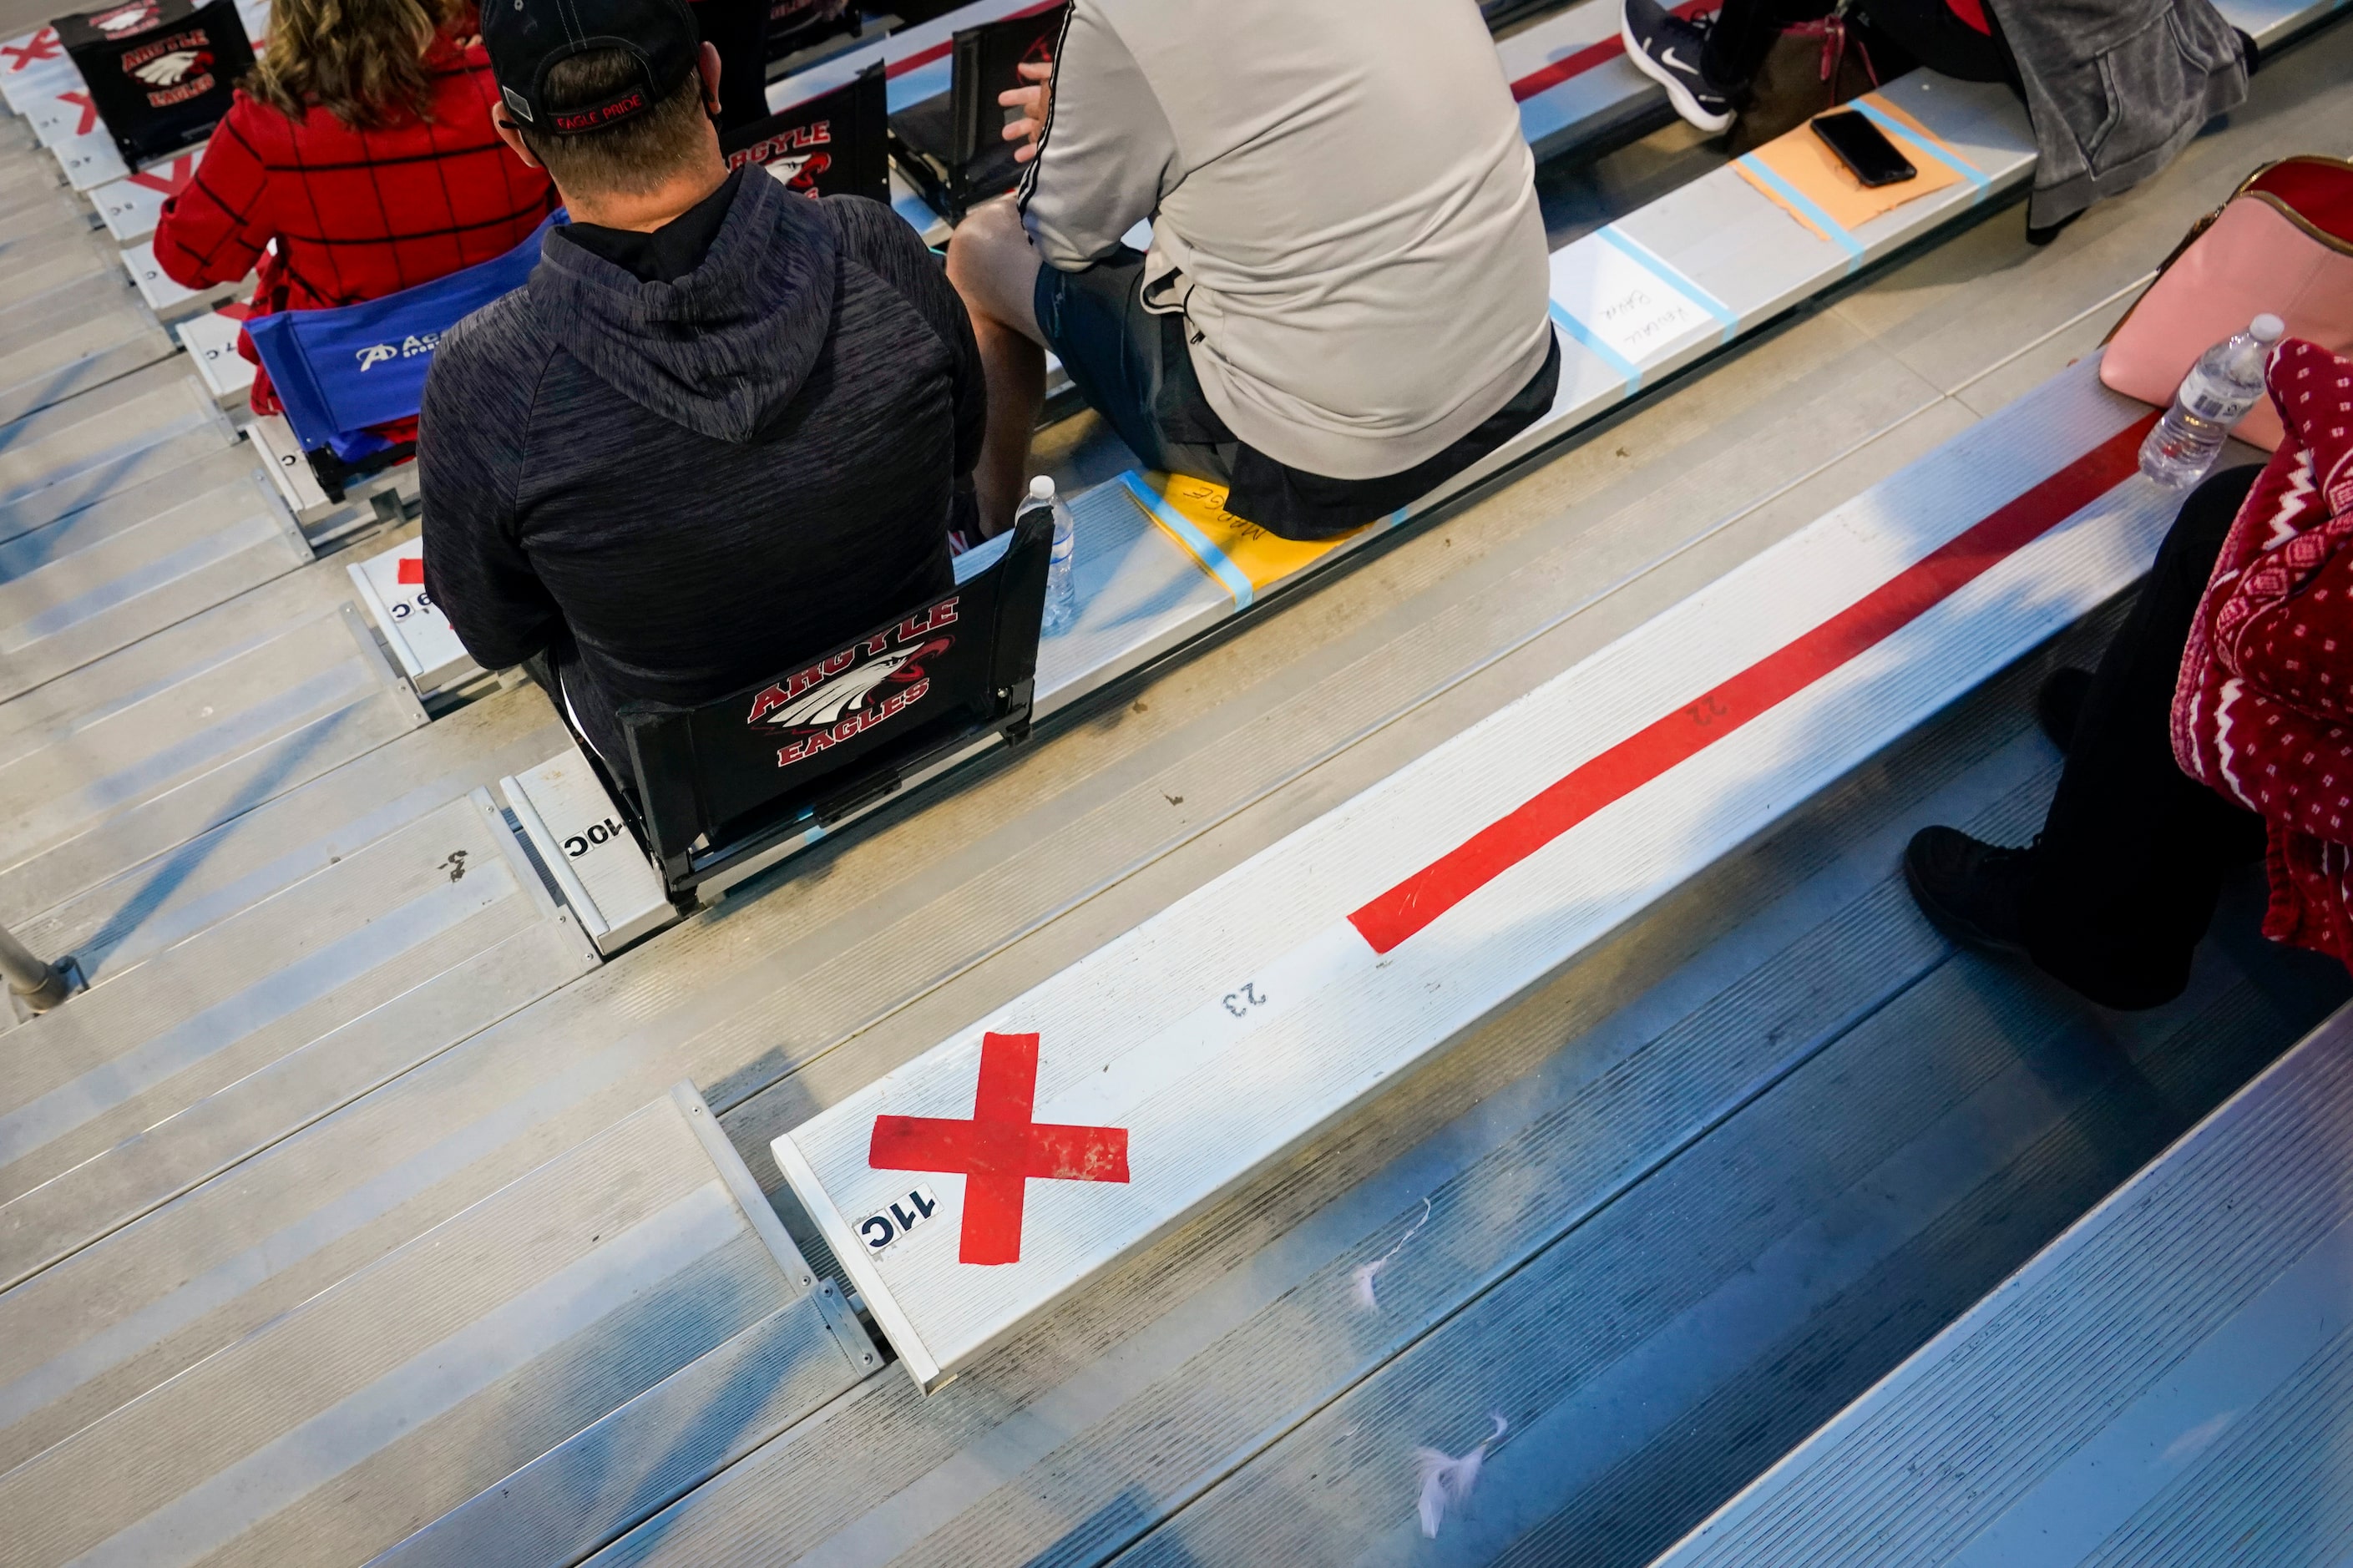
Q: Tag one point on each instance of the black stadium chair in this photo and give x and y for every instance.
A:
(717, 784)
(835, 145)
(952, 145)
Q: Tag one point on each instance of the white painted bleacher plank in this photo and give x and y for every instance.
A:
(136, 561)
(1233, 1025)
(29, 64)
(73, 454)
(2164, 1383)
(265, 1022)
(390, 585)
(131, 207)
(455, 1360)
(211, 341)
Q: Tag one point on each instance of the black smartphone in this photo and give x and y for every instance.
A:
(1863, 147)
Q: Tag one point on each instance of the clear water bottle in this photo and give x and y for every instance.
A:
(2227, 381)
(1061, 591)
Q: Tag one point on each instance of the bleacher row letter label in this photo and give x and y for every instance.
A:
(879, 1231)
(999, 1152)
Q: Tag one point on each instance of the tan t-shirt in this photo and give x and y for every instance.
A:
(1341, 206)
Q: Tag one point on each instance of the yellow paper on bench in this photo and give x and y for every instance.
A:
(1806, 160)
(1265, 559)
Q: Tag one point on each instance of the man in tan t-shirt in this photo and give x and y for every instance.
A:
(1344, 300)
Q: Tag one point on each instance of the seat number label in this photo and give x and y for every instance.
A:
(881, 1231)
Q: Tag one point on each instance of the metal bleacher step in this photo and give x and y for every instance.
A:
(606, 1276)
(1681, 1200)
(138, 560)
(2165, 1382)
(70, 454)
(266, 1021)
(137, 752)
(74, 337)
(189, 886)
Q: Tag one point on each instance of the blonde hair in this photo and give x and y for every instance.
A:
(362, 60)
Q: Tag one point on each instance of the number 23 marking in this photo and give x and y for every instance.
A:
(1239, 1003)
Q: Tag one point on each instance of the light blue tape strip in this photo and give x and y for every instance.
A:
(1221, 566)
(1669, 274)
(1625, 368)
(1979, 183)
(1806, 204)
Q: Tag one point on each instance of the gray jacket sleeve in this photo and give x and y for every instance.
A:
(470, 432)
(1107, 154)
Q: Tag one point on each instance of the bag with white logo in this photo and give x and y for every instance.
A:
(160, 72)
(338, 371)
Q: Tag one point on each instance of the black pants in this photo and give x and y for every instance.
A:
(1927, 30)
(2134, 851)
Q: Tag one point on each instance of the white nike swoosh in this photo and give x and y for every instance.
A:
(1667, 59)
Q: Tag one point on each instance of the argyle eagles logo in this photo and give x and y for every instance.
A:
(792, 155)
(855, 689)
(174, 69)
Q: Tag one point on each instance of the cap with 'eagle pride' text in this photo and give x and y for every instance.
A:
(527, 38)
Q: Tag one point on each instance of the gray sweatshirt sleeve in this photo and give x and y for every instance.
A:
(1107, 154)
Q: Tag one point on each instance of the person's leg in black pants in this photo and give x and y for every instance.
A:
(2116, 893)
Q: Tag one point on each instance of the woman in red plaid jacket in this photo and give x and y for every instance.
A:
(356, 160)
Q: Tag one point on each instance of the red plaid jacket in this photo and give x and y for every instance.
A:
(335, 215)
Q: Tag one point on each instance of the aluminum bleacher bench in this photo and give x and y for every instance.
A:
(515, 1386)
(2166, 1383)
(980, 1182)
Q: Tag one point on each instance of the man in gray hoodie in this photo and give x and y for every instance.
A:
(722, 428)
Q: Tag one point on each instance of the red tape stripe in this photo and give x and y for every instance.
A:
(1569, 67)
(939, 51)
(1642, 756)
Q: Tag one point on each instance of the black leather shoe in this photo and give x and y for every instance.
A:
(2059, 706)
(1970, 890)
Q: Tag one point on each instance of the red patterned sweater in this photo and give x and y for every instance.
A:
(335, 215)
(2263, 711)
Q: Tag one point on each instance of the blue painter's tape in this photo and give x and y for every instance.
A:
(1979, 183)
(1220, 565)
(1666, 272)
(1806, 204)
(1625, 368)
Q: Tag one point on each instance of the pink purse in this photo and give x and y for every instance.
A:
(2281, 243)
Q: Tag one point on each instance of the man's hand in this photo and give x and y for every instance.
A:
(1035, 101)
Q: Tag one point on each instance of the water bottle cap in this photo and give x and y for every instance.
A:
(1042, 488)
(2268, 329)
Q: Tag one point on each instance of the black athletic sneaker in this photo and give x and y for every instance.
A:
(1970, 890)
(1666, 48)
(2059, 706)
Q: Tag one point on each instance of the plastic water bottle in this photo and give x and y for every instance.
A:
(2227, 381)
(1062, 592)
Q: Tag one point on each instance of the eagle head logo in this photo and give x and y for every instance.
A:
(172, 69)
(127, 19)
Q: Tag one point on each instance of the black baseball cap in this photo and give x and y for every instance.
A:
(526, 39)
